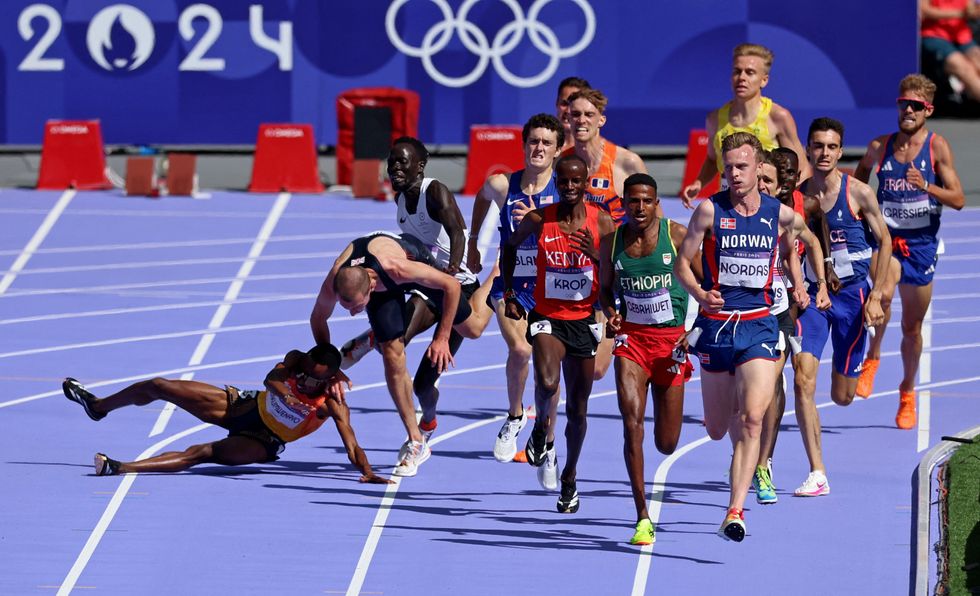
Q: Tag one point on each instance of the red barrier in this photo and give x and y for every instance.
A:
(285, 160)
(404, 106)
(493, 150)
(73, 156)
(697, 152)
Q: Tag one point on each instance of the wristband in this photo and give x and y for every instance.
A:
(926, 187)
(828, 259)
(821, 281)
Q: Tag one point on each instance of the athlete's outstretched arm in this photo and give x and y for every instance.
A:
(326, 300)
(697, 231)
(494, 190)
(403, 271)
(442, 207)
(341, 417)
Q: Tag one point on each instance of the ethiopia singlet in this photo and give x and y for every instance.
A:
(645, 285)
(738, 257)
(432, 233)
(290, 421)
(526, 269)
(758, 127)
(568, 283)
(910, 213)
(849, 246)
(601, 188)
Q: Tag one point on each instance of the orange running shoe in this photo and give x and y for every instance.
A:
(866, 382)
(905, 419)
(520, 457)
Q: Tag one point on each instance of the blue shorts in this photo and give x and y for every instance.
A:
(725, 345)
(918, 259)
(942, 49)
(843, 322)
(524, 291)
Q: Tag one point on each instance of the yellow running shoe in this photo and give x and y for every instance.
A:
(645, 534)
(866, 382)
(905, 419)
(733, 528)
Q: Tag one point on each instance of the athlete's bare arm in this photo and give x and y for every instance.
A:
(815, 256)
(950, 193)
(441, 205)
(341, 417)
(872, 156)
(531, 224)
(698, 231)
(710, 165)
(627, 163)
(494, 190)
(788, 232)
(607, 283)
(677, 233)
(275, 380)
(326, 300)
(817, 221)
(861, 196)
(787, 136)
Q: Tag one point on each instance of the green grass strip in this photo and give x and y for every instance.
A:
(964, 520)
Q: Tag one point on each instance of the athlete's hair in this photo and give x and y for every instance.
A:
(326, 354)
(546, 121)
(640, 178)
(754, 49)
(824, 124)
(738, 139)
(593, 96)
(416, 144)
(571, 157)
(767, 157)
(350, 281)
(917, 83)
(577, 82)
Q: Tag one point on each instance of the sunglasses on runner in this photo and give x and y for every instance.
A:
(917, 105)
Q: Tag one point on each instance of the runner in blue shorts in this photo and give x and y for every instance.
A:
(739, 342)
(850, 211)
(916, 179)
(516, 195)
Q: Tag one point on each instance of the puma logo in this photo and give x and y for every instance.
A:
(768, 222)
(771, 353)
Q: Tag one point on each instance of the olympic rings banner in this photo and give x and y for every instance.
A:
(209, 71)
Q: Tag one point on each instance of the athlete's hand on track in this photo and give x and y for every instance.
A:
(519, 210)
(374, 479)
(514, 310)
(613, 324)
(439, 354)
(690, 193)
(335, 388)
(873, 315)
(801, 297)
(712, 302)
(583, 241)
(823, 299)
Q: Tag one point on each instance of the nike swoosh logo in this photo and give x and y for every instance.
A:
(512, 201)
(551, 239)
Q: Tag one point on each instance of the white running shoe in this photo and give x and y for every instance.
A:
(354, 349)
(505, 447)
(548, 471)
(815, 485)
(415, 455)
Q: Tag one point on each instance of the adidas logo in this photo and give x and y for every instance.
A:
(887, 167)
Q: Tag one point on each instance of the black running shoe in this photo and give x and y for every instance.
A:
(78, 394)
(537, 447)
(568, 501)
(105, 466)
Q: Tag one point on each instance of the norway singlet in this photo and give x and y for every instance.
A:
(568, 280)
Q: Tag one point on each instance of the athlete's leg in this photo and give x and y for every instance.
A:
(774, 415)
(548, 355)
(718, 395)
(578, 386)
(631, 392)
(668, 414)
(206, 402)
(754, 381)
(518, 356)
(400, 385)
(805, 387)
(424, 383)
(479, 318)
(230, 451)
(603, 354)
(915, 303)
(887, 294)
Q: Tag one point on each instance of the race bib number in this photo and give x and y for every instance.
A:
(842, 260)
(907, 213)
(649, 308)
(290, 416)
(526, 262)
(540, 327)
(744, 269)
(572, 285)
(780, 299)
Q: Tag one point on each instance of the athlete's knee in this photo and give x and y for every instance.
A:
(520, 352)
(633, 431)
(717, 429)
(804, 384)
(547, 384)
(393, 351)
(198, 454)
(842, 396)
(156, 388)
(665, 445)
(912, 328)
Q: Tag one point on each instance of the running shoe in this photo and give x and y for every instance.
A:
(520, 457)
(505, 447)
(568, 501)
(866, 382)
(427, 429)
(536, 447)
(733, 528)
(105, 466)
(905, 418)
(548, 471)
(415, 455)
(78, 394)
(644, 534)
(765, 492)
(354, 349)
(815, 485)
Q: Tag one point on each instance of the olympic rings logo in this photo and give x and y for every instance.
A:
(475, 40)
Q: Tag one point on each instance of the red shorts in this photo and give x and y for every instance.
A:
(652, 348)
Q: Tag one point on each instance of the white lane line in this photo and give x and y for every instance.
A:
(110, 512)
(643, 562)
(925, 377)
(307, 215)
(39, 235)
(231, 294)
